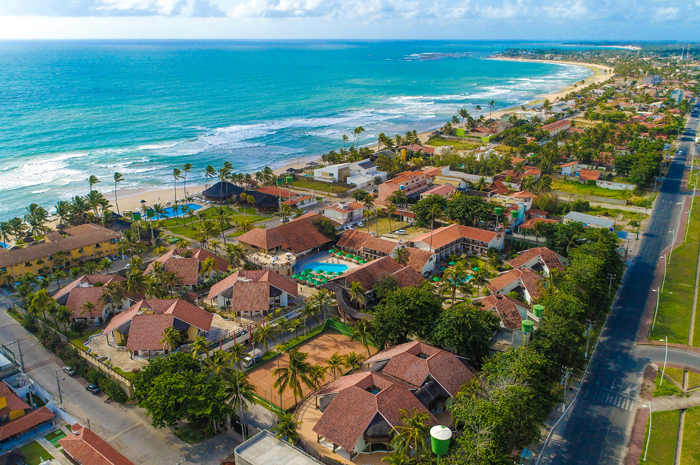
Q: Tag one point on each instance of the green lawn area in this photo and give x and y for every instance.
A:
(676, 374)
(382, 224)
(664, 432)
(319, 186)
(55, 436)
(667, 388)
(576, 188)
(690, 454)
(693, 379)
(188, 226)
(456, 144)
(622, 217)
(35, 453)
(125, 374)
(191, 435)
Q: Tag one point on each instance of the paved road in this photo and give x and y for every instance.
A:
(597, 429)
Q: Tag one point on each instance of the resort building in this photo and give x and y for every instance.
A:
(510, 311)
(254, 292)
(456, 239)
(262, 201)
(222, 191)
(85, 447)
(16, 417)
(360, 411)
(79, 244)
(366, 245)
(411, 183)
(344, 213)
(540, 260)
(190, 266)
(523, 281)
(446, 191)
(527, 227)
(84, 297)
(422, 261)
(569, 169)
(141, 328)
(361, 173)
(556, 127)
(265, 449)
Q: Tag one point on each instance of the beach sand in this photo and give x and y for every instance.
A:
(131, 199)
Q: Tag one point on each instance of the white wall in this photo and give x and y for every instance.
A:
(616, 186)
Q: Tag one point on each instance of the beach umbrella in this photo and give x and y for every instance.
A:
(475, 269)
(332, 251)
(436, 279)
(452, 263)
(442, 268)
(296, 276)
(363, 261)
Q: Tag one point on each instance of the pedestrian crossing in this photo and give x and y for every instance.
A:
(609, 397)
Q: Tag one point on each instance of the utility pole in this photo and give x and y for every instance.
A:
(564, 380)
(58, 384)
(610, 277)
(589, 328)
(21, 359)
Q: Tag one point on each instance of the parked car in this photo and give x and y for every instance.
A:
(69, 371)
(114, 258)
(360, 224)
(92, 388)
(400, 232)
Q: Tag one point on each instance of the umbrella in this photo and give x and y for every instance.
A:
(442, 268)
(452, 263)
(332, 251)
(475, 269)
(436, 279)
(363, 261)
(296, 276)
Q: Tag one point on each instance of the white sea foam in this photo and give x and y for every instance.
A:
(41, 191)
(158, 146)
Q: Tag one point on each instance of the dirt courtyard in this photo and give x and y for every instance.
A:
(319, 348)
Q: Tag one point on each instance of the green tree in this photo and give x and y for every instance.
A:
(425, 211)
(263, 333)
(406, 311)
(287, 428)
(410, 437)
(361, 331)
(468, 210)
(336, 363)
(171, 338)
(465, 329)
(292, 377)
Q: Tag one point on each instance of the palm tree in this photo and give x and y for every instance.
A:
(171, 338)
(245, 225)
(411, 436)
(112, 293)
(223, 214)
(539, 229)
(177, 174)
(481, 278)
(322, 297)
(117, 179)
(362, 332)
(236, 254)
(92, 180)
(239, 355)
(435, 210)
(294, 325)
(345, 139)
(209, 172)
(353, 360)
(297, 372)
(64, 315)
(41, 302)
(206, 230)
(492, 104)
(264, 333)
(186, 168)
(240, 392)
(308, 311)
(318, 374)
(336, 364)
(87, 308)
(398, 459)
(218, 363)
(357, 131)
(200, 346)
(287, 428)
(401, 255)
(357, 293)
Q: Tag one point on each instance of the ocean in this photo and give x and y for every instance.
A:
(69, 109)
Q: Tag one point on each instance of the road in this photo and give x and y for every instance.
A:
(597, 429)
(126, 429)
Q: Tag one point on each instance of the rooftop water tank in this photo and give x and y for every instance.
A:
(528, 326)
(538, 310)
(440, 439)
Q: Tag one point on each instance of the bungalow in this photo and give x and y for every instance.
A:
(191, 266)
(368, 246)
(422, 261)
(302, 201)
(222, 191)
(525, 282)
(510, 311)
(446, 191)
(85, 447)
(141, 328)
(300, 236)
(526, 228)
(540, 260)
(361, 410)
(254, 292)
(344, 213)
(569, 169)
(84, 297)
(456, 238)
(589, 175)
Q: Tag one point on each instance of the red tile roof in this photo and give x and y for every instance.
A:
(79, 296)
(352, 206)
(589, 175)
(23, 423)
(89, 449)
(564, 123)
(447, 234)
(369, 273)
(13, 402)
(443, 190)
(506, 308)
(298, 235)
(407, 277)
(571, 163)
(549, 257)
(417, 258)
(146, 331)
(187, 269)
(90, 280)
(357, 240)
(529, 224)
(528, 279)
(242, 278)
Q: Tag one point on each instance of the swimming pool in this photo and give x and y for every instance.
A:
(323, 266)
(193, 206)
(3, 245)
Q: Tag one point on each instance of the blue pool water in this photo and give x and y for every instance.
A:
(3, 245)
(169, 211)
(322, 266)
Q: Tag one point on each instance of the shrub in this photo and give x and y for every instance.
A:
(79, 326)
(112, 389)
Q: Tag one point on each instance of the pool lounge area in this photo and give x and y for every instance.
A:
(169, 212)
(325, 266)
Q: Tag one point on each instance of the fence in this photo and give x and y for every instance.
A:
(110, 372)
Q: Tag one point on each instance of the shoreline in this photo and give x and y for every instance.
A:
(131, 199)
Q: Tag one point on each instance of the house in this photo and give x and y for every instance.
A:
(366, 245)
(589, 175)
(455, 239)
(361, 173)
(222, 191)
(299, 236)
(514, 199)
(526, 228)
(510, 311)
(390, 154)
(302, 201)
(446, 191)
(140, 329)
(344, 213)
(411, 183)
(17, 418)
(422, 261)
(540, 260)
(569, 169)
(265, 449)
(370, 273)
(80, 243)
(89, 288)
(416, 148)
(361, 410)
(499, 126)
(189, 267)
(254, 292)
(262, 200)
(589, 220)
(523, 281)
(653, 80)
(514, 180)
(85, 447)
(556, 127)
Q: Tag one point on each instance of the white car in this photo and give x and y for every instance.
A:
(400, 232)
(360, 224)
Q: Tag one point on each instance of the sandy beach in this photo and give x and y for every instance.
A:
(131, 199)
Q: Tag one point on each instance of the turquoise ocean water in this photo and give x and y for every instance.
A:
(72, 109)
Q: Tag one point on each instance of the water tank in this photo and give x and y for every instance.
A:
(136, 216)
(150, 213)
(514, 214)
(528, 326)
(279, 181)
(538, 310)
(290, 179)
(440, 439)
(497, 211)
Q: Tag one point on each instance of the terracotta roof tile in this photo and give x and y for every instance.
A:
(528, 279)
(277, 192)
(407, 276)
(186, 269)
(447, 234)
(369, 273)
(147, 331)
(90, 280)
(242, 278)
(298, 235)
(89, 449)
(589, 175)
(82, 295)
(506, 308)
(529, 224)
(417, 258)
(549, 257)
(25, 422)
(13, 402)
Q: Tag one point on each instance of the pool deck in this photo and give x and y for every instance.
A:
(321, 257)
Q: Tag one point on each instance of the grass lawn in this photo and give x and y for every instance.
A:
(456, 144)
(693, 379)
(676, 374)
(188, 226)
(667, 388)
(382, 224)
(664, 432)
(35, 453)
(319, 186)
(125, 374)
(55, 436)
(690, 454)
(576, 188)
(192, 435)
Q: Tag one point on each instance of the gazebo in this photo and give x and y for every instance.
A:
(221, 191)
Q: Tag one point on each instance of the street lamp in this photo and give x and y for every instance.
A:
(658, 294)
(673, 241)
(60, 395)
(663, 372)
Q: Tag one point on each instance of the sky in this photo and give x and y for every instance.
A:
(352, 19)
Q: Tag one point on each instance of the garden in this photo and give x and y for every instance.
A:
(189, 226)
